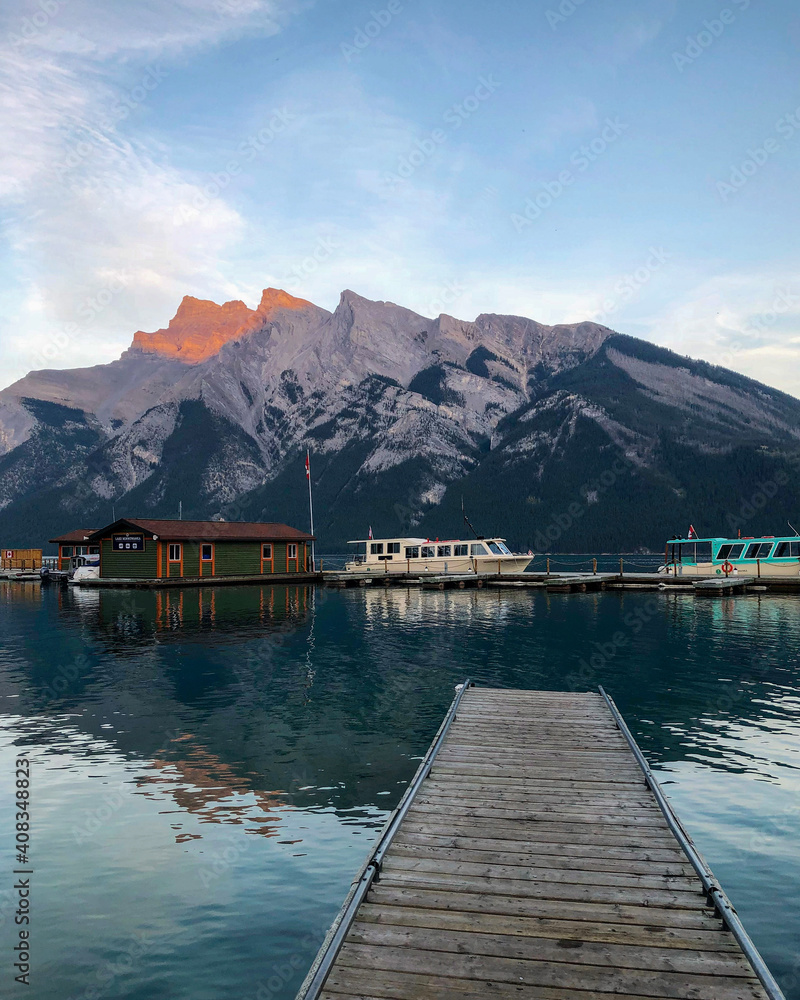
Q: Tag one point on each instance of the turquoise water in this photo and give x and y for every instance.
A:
(208, 767)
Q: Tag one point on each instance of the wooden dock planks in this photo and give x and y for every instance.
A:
(534, 862)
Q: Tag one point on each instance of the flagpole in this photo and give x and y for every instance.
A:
(310, 510)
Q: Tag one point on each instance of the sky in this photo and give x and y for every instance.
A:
(632, 162)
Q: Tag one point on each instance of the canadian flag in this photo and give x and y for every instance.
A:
(370, 532)
(692, 532)
(308, 467)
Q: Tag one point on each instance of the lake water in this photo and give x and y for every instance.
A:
(208, 766)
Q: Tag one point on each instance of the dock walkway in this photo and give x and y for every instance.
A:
(531, 858)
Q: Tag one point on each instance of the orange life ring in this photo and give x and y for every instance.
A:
(727, 567)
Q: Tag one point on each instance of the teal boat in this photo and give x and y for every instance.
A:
(764, 555)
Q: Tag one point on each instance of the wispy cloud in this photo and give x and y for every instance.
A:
(90, 196)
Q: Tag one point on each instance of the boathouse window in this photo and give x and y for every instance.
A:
(758, 550)
(292, 553)
(477, 549)
(788, 550)
(444, 552)
(393, 547)
(412, 552)
(266, 550)
(460, 550)
(206, 552)
(174, 552)
(428, 551)
(376, 548)
(729, 552)
(66, 551)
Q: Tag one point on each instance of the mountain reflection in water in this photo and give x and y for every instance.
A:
(209, 763)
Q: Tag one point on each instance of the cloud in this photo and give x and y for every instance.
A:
(93, 204)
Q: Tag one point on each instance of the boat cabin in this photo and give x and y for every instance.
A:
(768, 555)
(435, 555)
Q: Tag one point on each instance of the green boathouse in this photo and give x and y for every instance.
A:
(162, 551)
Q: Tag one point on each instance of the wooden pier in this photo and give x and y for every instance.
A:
(534, 855)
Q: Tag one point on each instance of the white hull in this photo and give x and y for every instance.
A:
(746, 568)
(444, 567)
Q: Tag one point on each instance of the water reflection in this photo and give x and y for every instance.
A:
(256, 736)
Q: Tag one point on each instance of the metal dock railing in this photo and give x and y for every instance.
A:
(535, 855)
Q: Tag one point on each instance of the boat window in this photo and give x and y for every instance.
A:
(460, 550)
(788, 550)
(724, 552)
(376, 548)
(428, 551)
(477, 549)
(206, 552)
(504, 549)
(495, 549)
(393, 547)
(758, 550)
(443, 552)
(412, 552)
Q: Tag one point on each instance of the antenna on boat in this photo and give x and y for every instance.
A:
(793, 528)
(467, 520)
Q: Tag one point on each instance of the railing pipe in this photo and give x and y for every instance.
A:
(714, 892)
(370, 872)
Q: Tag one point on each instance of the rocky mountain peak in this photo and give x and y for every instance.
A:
(274, 300)
(198, 330)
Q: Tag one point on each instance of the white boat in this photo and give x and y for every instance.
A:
(86, 568)
(436, 556)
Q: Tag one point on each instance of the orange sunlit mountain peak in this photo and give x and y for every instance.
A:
(201, 328)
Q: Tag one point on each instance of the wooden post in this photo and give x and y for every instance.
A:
(408, 566)
(758, 566)
(621, 567)
(548, 565)
(498, 567)
(594, 566)
(321, 564)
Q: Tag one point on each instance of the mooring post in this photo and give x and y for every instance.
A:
(548, 565)
(594, 566)
(621, 567)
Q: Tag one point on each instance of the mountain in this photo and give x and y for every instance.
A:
(561, 438)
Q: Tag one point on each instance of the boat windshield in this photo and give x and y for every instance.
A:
(688, 551)
(497, 548)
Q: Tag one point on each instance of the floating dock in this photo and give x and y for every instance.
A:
(534, 855)
(564, 582)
